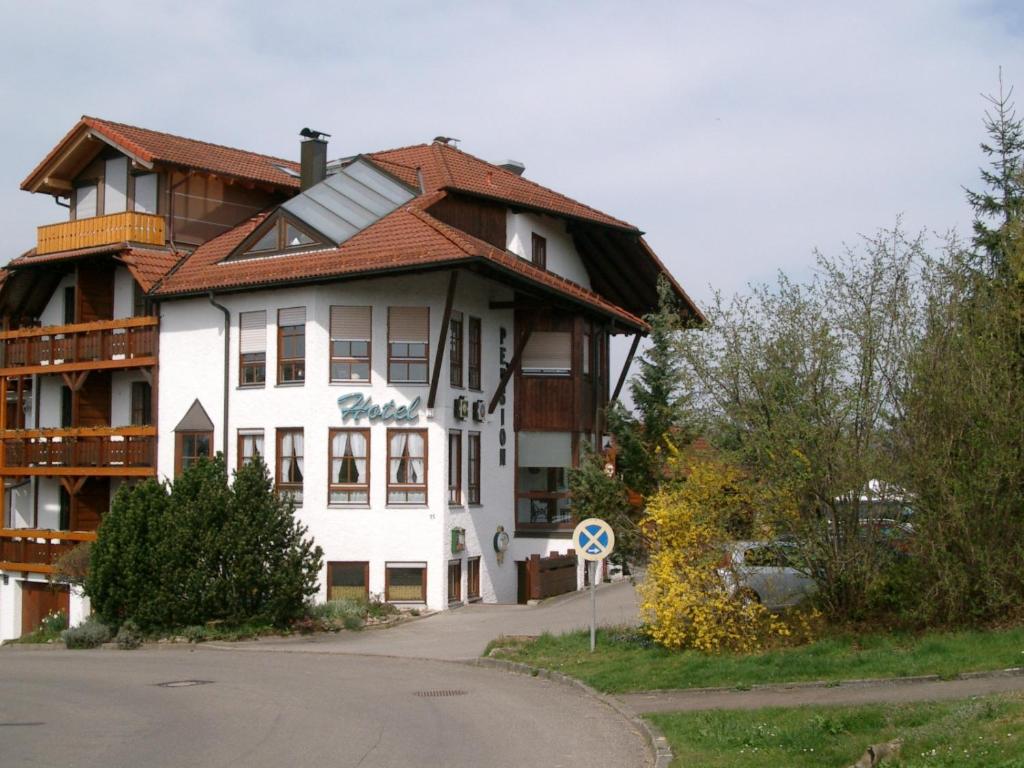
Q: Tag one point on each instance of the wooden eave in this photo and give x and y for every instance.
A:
(75, 151)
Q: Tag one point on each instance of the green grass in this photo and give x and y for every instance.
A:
(976, 732)
(624, 661)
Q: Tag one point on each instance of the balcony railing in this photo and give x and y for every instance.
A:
(101, 230)
(117, 451)
(125, 343)
(35, 551)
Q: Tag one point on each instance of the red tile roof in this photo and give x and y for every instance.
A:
(154, 146)
(445, 167)
(405, 239)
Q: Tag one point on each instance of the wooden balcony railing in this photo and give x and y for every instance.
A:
(92, 451)
(125, 343)
(35, 551)
(127, 227)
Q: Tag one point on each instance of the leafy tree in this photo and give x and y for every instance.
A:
(200, 549)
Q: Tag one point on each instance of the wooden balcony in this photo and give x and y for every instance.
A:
(127, 227)
(127, 343)
(35, 551)
(83, 452)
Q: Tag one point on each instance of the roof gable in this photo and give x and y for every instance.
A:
(91, 134)
(196, 419)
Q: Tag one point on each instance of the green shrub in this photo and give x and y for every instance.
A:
(194, 633)
(91, 633)
(129, 636)
(200, 550)
(49, 629)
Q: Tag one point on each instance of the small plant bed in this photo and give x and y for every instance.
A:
(49, 630)
(627, 660)
(985, 731)
(350, 614)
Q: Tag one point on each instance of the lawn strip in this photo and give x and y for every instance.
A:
(624, 662)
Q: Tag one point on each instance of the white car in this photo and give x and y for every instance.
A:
(765, 572)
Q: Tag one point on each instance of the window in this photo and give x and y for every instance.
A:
(548, 353)
(69, 305)
(474, 468)
(190, 448)
(540, 251)
(66, 406)
(405, 582)
(350, 343)
(473, 578)
(250, 445)
(475, 353)
(407, 466)
(282, 235)
(454, 467)
(85, 201)
(146, 192)
(542, 493)
(115, 185)
(408, 329)
(348, 581)
(290, 463)
(142, 404)
(141, 305)
(291, 345)
(454, 581)
(587, 341)
(252, 348)
(455, 358)
(349, 481)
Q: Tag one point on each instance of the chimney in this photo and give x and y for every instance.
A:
(313, 157)
(514, 166)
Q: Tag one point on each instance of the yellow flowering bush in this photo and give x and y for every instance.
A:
(683, 598)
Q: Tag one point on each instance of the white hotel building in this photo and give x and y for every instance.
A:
(415, 340)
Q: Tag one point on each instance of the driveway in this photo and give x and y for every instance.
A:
(105, 709)
(373, 699)
(463, 633)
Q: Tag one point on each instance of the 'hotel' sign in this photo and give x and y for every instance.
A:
(356, 407)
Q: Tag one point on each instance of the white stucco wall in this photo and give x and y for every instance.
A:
(191, 332)
(562, 256)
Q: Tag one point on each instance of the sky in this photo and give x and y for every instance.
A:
(739, 136)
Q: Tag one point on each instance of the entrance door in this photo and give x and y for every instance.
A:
(38, 599)
(523, 582)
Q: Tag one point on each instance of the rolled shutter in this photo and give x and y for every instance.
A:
(292, 316)
(548, 351)
(253, 332)
(350, 323)
(410, 325)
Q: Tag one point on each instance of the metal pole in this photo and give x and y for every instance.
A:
(593, 603)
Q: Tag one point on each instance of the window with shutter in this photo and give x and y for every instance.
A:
(351, 343)
(252, 348)
(548, 353)
(408, 345)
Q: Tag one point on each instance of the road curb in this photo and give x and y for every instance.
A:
(656, 741)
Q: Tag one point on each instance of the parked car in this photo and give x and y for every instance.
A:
(766, 572)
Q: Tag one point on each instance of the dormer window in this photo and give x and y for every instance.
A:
(278, 235)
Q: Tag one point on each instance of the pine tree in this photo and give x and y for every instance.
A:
(1001, 204)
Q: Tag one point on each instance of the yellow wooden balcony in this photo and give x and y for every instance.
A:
(127, 227)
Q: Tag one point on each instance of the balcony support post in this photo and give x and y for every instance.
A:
(3, 452)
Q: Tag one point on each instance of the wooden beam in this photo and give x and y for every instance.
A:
(442, 340)
(531, 305)
(73, 486)
(75, 380)
(63, 471)
(625, 368)
(3, 450)
(513, 364)
(54, 183)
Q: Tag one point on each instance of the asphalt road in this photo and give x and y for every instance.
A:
(107, 709)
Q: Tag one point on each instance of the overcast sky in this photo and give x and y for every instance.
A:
(738, 135)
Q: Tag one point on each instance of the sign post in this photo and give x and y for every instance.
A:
(594, 540)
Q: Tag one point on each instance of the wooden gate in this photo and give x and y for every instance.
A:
(39, 599)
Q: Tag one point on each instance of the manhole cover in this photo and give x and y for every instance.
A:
(183, 683)
(439, 694)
